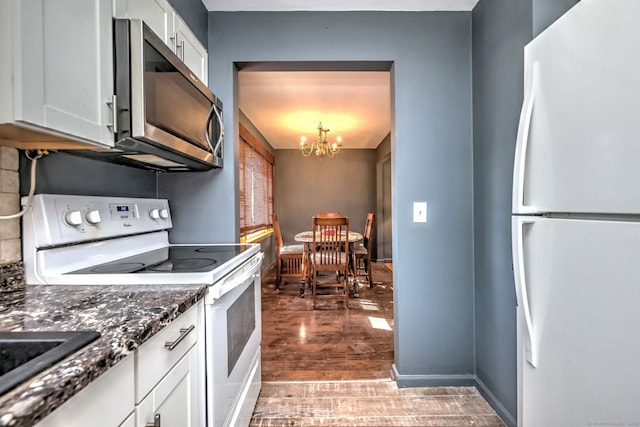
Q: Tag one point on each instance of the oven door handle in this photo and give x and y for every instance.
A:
(234, 279)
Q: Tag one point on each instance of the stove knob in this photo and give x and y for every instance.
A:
(164, 213)
(93, 217)
(154, 214)
(73, 218)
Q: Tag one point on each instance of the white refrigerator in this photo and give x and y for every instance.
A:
(576, 220)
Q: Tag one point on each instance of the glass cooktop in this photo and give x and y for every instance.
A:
(171, 259)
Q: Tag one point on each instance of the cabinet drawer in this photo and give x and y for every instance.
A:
(154, 359)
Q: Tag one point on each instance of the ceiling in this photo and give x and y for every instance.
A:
(338, 5)
(284, 105)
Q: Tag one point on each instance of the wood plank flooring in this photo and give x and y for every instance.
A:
(332, 366)
(331, 342)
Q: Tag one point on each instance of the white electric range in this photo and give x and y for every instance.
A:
(90, 240)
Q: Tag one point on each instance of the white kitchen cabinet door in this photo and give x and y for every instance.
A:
(157, 14)
(190, 50)
(106, 402)
(63, 67)
(175, 398)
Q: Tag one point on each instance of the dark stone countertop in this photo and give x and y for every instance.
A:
(126, 316)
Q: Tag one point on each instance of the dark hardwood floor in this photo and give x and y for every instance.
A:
(331, 342)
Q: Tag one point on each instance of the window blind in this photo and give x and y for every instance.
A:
(256, 184)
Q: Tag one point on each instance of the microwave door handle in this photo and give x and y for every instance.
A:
(214, 110)
(218, 113)
(206, 128)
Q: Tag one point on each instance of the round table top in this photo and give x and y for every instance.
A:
(307, 237)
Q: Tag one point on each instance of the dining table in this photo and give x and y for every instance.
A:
(306, 237)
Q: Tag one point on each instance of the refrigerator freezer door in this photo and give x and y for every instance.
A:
(578, 147)
(582, 280)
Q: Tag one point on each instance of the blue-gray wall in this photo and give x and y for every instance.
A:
(62, 173)
(305, 186)
(500, 32)
(431, 155)
(545, 12)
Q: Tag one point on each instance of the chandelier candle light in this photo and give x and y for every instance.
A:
(321, 146)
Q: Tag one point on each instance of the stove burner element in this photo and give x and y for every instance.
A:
(189, 264)
(123, 267)
(221, 248)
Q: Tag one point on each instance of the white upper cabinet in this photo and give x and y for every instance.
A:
(189, 49)
(171, 28)
(58, 67)
(157, 14)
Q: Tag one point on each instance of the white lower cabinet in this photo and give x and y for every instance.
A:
(160, 385)
(173, 401)
(106, 402)
(168, 387)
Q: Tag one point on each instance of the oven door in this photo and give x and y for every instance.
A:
(233, 333)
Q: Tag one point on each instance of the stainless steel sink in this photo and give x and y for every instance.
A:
(25, 354)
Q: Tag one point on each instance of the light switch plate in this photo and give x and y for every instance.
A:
(419, 211)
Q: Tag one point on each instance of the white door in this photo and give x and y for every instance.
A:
(578, 289)
(578, 146)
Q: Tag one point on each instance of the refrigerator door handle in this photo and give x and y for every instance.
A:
(518, 224)
(522, 141)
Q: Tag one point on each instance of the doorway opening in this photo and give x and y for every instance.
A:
(272, 97)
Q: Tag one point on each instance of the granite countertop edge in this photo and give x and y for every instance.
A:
(125, 316)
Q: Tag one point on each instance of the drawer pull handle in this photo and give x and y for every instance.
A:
(156, 422)
(169, 345)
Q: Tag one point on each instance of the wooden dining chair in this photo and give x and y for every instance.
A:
(328, 215)
(289, 258)
(362, 252)
(330, 259)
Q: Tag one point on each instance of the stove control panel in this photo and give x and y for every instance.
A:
(124, 212)
(55, 219)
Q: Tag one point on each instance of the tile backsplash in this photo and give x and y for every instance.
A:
(9, 204)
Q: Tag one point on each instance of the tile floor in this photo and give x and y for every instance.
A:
(370, 404)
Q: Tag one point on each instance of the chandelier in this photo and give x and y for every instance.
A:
(321, 146)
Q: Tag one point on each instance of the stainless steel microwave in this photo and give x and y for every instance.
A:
(166, 118)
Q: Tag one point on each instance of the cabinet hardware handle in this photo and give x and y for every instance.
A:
(181, 47)
(183, 333)
(174, 39)
(112, 104)
(156, 422)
